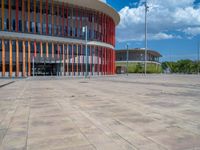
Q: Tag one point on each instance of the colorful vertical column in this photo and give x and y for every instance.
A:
(90, 56)
(47, 22)
(9, 15)
(10, 58)
(77, 61)
(40, 16)
(2, 14)
(98, 57)
(29, 15)
(24, 59)
(35, 49)
(52, 55)
(66, 20)
(82, 59)
(23, 15)
(63, 57)
(17, 15)
(63, 17)
(17, 59)
(47, 49)
(72, 59)
(68, 61)
(3, 59)
(34, 3)
(29, 59)
(52, 17)
(41, 50)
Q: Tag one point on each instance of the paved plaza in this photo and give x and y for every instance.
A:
(135, 112)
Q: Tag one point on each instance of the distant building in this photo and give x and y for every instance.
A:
(136, 61)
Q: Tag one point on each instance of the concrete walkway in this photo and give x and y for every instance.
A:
(156, 112)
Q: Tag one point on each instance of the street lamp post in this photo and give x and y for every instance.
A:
(146, 10)
(127, 56)
(198, 58)
(86, 53)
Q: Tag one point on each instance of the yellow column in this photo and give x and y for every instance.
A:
(10, 58)
(2, 14)
(17, 58)
(3, 59)
(24, 59)
(47, 49)
(29, 59)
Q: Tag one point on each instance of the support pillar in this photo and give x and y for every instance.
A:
(10, 58)
(29, 59)
(17, 58)
(24, 59)
(77, 59)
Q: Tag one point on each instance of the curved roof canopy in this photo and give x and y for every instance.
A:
(96, 5)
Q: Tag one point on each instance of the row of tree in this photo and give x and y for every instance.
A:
(182, 66)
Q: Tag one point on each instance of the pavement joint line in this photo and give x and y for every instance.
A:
(3, 85)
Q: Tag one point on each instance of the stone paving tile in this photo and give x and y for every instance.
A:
(154, 112)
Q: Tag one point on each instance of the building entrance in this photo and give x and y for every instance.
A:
(47, 69)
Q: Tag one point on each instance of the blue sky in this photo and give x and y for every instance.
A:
(173, 28)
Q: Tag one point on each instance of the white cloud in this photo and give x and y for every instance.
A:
(164, 18)
(104, 1)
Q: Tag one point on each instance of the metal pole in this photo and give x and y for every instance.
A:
(86, 49)
(127, 58)
(146, 9)
(198, 58)
(33, 67)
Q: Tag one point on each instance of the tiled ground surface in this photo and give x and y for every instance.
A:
(116, 113)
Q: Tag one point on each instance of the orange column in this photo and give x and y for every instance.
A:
(41, 50)
(47, 49)
(29, 59)
(29, 16)
(2, 14)
(17, 58)
(3, 59)
(24, 59)
(10, 58)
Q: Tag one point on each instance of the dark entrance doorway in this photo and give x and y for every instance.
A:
(47, 69)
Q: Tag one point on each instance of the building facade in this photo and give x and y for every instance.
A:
(46, 37)
(136, 59)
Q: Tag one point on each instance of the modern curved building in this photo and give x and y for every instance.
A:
(136, 59)
(48, 37)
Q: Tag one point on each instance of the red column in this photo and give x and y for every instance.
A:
(98, 51)
(90, 59)
(76, 22)
(63, 16)
(67, 19)
(47, 24)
